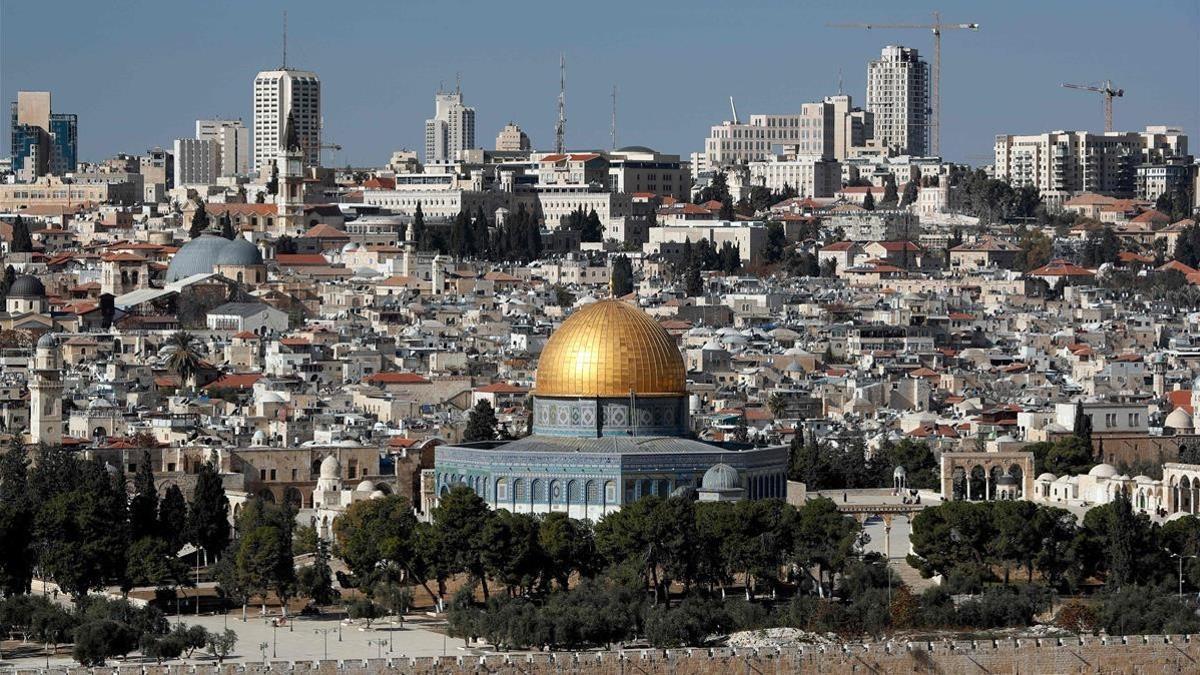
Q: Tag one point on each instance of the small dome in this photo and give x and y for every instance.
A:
(1047, 477)
(99, 404)
(1103, 471)
(720, 477)
(270, 397)
(899, 472)
(27, 286)
(1006, 480)
(1179, 419)
(331, 467)
(47, 341)
(1142, 479)
(239, 251)
(365, 486)
(259, 439)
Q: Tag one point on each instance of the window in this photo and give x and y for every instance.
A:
(272, 474)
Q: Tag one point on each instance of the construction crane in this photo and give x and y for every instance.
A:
(937, 27)
(1106, 90)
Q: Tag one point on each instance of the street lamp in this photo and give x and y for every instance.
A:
(1180, 556)
(325, 635)
(274, 636)
(378, 647)
(263, 647)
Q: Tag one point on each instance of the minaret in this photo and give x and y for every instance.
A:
(410, 250)
(45, 393)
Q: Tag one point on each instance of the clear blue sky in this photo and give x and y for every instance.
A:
(139, 73)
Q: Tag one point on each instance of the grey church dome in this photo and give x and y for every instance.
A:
(239, 252)
(47, 341)
(27, 286)
(198, 256)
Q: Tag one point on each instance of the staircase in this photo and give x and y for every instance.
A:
(911, 577)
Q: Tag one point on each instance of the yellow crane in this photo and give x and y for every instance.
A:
(1106, 90)
(935, 95)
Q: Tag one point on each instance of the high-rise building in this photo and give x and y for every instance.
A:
(1062, 163)
(898, 95)
(41, 141)
(512, 139)
(277, 94)
(234, 140)
(825, 129)
(197, 162)
(451, 129)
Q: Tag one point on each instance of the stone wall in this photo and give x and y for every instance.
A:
(1137, 654)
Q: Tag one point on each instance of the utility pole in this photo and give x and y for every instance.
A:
(613, 132)
(285, 39)
(560, 128)
(935, 94)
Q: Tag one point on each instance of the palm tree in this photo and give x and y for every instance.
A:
(777, 405)
(185, 355)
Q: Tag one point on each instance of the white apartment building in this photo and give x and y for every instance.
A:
(234, 140)
(452, 128)
(810, 175)
(898, 96)
(1062, 163)
(278, 93)
(197, 162)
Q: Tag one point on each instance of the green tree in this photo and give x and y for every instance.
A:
(199, 221)
(593, 230)
(726, 212)
(22, 240)
(393, 597)
(890, 196)
(273, 181)
(315, 581)
(869, 201)
(910, 194)
(567, 546)
(143, 507)
(776, 244)
(378, 539)
(17, 508)
(513, 550)
(693, 283)
(461, 518)
(221, 644)
(172, 517)
(227, 227)
(622, 276)
(481, 423)
(151, 562)
(208, 517)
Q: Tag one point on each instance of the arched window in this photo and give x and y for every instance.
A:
(520, 491)
(501, 489)
(539, 490)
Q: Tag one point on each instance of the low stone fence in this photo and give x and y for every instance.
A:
(1133, 654)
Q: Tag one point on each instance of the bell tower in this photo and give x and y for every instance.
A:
(45, 393)
(290, 200)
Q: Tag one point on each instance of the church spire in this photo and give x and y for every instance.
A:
(291, 139)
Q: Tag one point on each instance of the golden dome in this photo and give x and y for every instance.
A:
(607, 349)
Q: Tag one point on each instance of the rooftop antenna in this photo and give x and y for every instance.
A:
(734, 109)
(560, 128)
(840, 92)
(458, 83)
(285, 39)
(614, 118)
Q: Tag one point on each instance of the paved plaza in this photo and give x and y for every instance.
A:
(307, 639)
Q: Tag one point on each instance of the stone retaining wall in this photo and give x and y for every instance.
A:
(1137, 654)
